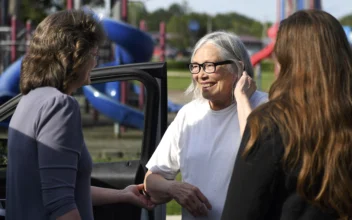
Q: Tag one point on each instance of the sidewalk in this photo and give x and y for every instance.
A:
(173, 217)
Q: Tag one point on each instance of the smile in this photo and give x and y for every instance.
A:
(207, 85)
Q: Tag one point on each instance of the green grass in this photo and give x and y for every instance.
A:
(173, 208)
(266, 81)
(178, 82)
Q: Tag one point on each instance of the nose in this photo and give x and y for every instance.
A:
(202, 74)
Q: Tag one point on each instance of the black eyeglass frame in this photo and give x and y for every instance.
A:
(202, 65)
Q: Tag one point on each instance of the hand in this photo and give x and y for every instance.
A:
(190, 198)
(135, 197)
(245, 87)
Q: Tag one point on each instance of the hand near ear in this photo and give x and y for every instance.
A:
(245, 87)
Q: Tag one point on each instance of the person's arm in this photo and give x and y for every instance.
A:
(59, 145)
(245, 87)
(71, 215)
(188, 196)
(163, 168)
(131, 194)
(158, 188)
(254, 179)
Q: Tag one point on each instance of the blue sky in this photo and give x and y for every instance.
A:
(263, 10)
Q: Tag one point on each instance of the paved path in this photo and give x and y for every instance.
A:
(173, 217)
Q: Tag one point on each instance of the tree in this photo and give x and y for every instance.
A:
(37, 10)
(346, 20)
(176, 10)
(137, 12)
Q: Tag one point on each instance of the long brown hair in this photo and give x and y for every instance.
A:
(60, 47)
(311, 105)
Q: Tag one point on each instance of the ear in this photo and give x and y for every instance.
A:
(242, 65)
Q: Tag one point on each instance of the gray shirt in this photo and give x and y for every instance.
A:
(49, 165)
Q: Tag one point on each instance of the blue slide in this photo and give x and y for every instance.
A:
(133, 46)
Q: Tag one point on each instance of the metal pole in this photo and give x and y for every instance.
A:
(259, 75)
(300, 5)
(142, 27)
(278, 14)
(124, 84)
(282, 10)
(28, 33)
(13, 38)
(13, 7)
(162, 40)
(4, 13)
(124, 10)
(77, 4)
(318, 4)
(290, 8)
(69, 4)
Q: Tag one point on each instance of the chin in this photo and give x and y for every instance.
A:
(206, 96)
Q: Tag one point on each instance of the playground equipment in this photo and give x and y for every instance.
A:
(132, 46)
(285, 9)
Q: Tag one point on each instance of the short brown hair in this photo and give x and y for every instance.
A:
(59, 48)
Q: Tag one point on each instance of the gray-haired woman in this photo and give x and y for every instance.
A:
(203, 140)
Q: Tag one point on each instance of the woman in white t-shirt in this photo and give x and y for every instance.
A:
(203, 140)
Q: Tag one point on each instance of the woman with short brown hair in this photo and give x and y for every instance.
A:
(49, 166)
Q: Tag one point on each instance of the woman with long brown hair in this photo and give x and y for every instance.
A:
(295, 159)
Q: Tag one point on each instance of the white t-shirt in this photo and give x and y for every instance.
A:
(202, 144)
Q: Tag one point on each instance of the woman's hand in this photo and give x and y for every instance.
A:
(190, 198)
(134, 196)
(245, 87)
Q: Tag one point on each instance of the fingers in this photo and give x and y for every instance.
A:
(192, 199)
(195, 208)
(246, 86)
(203, 199)
(140, 187)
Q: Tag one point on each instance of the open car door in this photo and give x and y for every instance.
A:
(117, 174)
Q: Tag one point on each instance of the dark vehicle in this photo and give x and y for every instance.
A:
(119, 174)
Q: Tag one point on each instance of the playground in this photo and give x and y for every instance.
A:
(113, 113)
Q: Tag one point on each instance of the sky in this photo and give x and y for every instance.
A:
(262, 10)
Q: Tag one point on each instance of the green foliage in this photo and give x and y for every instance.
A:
(347, 20)
(239, 24)
(268, 66)
(177, 65)
(37, 10)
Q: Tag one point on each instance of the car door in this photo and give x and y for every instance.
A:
(121, 173)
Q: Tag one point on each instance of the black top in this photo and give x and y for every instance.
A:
(261, 189)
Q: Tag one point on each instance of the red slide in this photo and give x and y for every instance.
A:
(264, 53)
(268, 50)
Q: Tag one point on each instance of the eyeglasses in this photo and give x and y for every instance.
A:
(208, 67)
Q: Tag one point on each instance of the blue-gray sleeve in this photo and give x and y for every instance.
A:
(59, 141)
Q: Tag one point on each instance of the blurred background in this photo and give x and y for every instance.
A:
(148, 31)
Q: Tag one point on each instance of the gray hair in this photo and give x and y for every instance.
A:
(231, 48)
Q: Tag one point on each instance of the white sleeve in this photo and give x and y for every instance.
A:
(166, 160)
